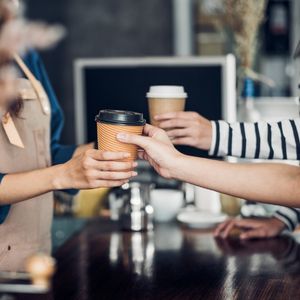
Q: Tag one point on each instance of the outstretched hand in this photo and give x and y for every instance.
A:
(156, 147)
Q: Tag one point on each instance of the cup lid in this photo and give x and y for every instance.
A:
(166, 91)
(121, 117)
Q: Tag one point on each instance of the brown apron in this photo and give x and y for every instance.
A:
(27, 227)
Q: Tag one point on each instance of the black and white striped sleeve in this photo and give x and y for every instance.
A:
(260, 140)
(289, 216)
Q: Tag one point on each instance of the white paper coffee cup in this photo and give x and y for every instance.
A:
(164, 99)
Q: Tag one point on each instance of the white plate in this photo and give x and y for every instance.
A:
(200, 219)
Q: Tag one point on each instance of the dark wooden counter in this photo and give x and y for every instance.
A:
(102, 262)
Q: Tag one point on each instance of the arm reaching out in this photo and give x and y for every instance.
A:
(86, 170)
(260, 140)
(270, 183)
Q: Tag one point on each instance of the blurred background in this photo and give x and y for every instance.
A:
(102, 28)
(259, 82)
(132, 28)
(235, 60)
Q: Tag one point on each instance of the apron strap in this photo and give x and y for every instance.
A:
(7, 121)
(11, 131)
(38, 88)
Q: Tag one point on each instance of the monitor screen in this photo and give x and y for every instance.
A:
(125, 87)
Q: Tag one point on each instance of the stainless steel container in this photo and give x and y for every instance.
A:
(132, 207)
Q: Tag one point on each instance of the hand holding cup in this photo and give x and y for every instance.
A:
(158, 150)
(187, 128)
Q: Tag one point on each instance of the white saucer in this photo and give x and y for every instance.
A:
(200, 219)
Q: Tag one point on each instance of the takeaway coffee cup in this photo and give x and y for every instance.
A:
(165, 98)
(111, 122)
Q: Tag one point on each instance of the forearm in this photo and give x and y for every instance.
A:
(269, 183)
(288, 215)
(88, 170)
(260, 140)
(23, 186)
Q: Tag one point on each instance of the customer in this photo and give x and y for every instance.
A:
(269, 183)
(260, 140)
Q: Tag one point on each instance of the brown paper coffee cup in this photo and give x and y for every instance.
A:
(165, 99)
(110, 123)
(158, 106)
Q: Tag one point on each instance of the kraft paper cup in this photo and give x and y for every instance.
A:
(158, 106)
(111, 123)
(165, 99)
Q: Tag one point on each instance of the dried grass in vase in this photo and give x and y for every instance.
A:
(244, 17)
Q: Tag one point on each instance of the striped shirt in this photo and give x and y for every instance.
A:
(260, 140)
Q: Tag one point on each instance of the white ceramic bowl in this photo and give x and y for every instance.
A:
(166, 204)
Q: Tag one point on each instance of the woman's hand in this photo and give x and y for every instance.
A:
(93, 169)
(157, 149)
(187, 128)
(252, 228)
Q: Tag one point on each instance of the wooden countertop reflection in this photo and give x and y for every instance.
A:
(102, 262)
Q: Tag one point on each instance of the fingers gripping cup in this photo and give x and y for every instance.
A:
(112, 122)
(164, 99)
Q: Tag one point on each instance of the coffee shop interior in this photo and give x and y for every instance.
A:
(154, 237)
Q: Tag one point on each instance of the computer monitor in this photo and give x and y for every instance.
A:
(122, 83)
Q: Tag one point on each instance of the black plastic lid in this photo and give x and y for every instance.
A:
(121, 117)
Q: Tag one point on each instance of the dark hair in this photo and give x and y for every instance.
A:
(16, 107)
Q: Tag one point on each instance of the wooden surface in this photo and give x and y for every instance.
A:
(102, 262)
